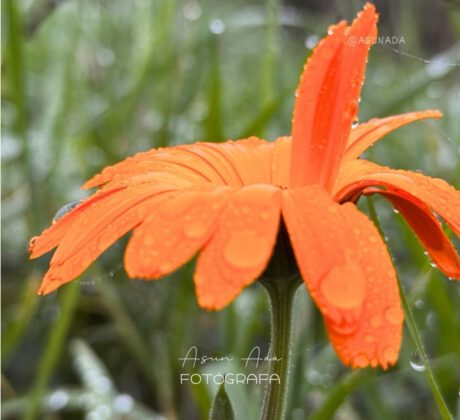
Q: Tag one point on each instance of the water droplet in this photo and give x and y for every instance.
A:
(390, 355)
(195, 229)
(419, 303)
(165, 267)
(245, 249)
(433, 264)
(64, 210)
(311, 41)
(394, 315)
(216, 26)
(344, 286)
(395, 211)
(416, 362)
(32, 242)
(360, 361)
(264, 215)
(375, 321)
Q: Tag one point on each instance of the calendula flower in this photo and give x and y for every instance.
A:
(225, 201)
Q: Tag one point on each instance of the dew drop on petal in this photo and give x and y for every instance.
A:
(376, 321)
(32, 243)
(389, 354)
(360, 361)
(64, 210)
(344, 286)
(394, 315)
(245, 249)
(195, 229)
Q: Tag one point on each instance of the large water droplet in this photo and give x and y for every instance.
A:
(394, 315)
(344, 286)
(64, 210)
(245, 249)
(416, 362)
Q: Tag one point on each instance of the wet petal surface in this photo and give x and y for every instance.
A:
(349, 274)
(239, 250)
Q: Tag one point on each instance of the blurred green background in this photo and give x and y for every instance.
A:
(86, 83)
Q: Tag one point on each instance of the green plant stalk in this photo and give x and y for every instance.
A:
(53, 349)
(415, 334)
(416, 338)
(281, 294)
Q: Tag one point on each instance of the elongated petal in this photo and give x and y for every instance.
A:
(98, 228)
(281, 162)
(51, 237)
(366, 134)
(174, 231)
(241, 247)
(427, 228)
(347, 269)
(229, 163)
(327, 100)
(437, 194)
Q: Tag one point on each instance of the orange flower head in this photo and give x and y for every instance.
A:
(226, 200)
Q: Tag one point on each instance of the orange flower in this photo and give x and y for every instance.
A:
(227, 199)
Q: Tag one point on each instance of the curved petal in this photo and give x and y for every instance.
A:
(174, 231)
(427, 228)
(229, 163)
(241, 247)
(437, 194)
(366, 134)
(98, 228)
(249, 160)
(51, 237)
(327, 100)
(348, 271)
(281, 162)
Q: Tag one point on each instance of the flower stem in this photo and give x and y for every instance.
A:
(281, 294)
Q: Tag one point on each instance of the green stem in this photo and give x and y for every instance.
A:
(416, 338)
(281, 294)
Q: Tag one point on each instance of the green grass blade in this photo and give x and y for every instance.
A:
(53, 349)
(337, 394)
(415, 334)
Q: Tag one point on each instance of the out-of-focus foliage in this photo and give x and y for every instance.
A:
(86, 83)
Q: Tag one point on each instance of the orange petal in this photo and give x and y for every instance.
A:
(281, 162)
(327, 100)
(427, 228)
(366, 134)
(437, 194)
(51, 237)
(240, 157)
(96, 229)
(226, 163)
(346, 267)
(171, 161)
(241, 247)
(173, 232)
